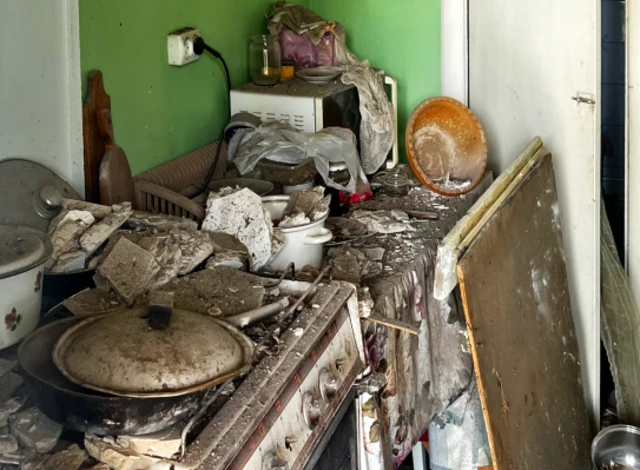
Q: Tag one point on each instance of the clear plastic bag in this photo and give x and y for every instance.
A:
(279, 142)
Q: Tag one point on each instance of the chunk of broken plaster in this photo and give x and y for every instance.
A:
(70, 262)
(374, 254)
(34, 430)
(346, 268)
(9, 383)
(163, 444)
(115, 457)
(129, 270)
(230, 259)
(70, 216)
(92, 302)
(71, 458)
(295, 220)
(304, 200)
(224, 242)
(97, 234)
(241, 214)
(97, 210)
(163, 223)
(8, 444)
(9, 408)
(382, 221)
(13, 458)
(320, 209)
(196, 247)
(64, 237)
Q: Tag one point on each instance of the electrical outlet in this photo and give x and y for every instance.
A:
(180, 46)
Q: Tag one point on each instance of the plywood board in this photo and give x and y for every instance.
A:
(515, 291)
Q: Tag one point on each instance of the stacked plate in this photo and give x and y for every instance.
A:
(319, 75)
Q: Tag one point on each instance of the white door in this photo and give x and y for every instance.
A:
(534, 69)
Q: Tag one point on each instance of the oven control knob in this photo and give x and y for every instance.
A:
(311, 410)
(328, 384)
(272, 461)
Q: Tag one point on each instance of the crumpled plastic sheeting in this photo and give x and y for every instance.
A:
(280, 142)
(458, 437)
(620, 319)
(377, 132)
(299, 19)
(377, 127)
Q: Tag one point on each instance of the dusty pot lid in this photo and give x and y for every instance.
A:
(22, 249)
(122, 355)
(31, 193)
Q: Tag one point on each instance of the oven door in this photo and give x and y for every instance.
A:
(338, 449)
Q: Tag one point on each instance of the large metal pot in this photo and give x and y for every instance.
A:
(157, 353)
(23, 253)
(303, 245)
(84, 410)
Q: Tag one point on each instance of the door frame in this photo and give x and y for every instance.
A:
(632, 146)
(454, 49)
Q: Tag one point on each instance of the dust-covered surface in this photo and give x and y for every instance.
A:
(423, 373)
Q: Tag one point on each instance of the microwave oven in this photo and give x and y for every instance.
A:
(309, 107)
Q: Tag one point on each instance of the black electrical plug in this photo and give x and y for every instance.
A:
(199, 46)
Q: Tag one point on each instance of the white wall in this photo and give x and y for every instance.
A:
(40, 88)
(527, 59)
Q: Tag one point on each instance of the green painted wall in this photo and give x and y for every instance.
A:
(162, 112)
(400, 36)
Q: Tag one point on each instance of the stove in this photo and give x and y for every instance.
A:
(291, 404)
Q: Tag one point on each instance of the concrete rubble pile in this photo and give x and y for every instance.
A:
(132, 252)
(79, 230)
(29, 440)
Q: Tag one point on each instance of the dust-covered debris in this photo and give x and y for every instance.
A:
(205, 290)
(103, 450)
(160, 222)
(92, 302)
(128, 270)
(70, 458)
(241, 214)
(9, 408)
(294, 220)
(9, 383)
(162, 444)
(34, 430)
(393, 221)
(98, 233)
(305, 206)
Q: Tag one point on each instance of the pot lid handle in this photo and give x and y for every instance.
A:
(160, 308)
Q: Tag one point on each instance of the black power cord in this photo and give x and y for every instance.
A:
(199, 46)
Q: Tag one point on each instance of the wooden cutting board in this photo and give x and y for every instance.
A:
(515, 291)
(94, 142)
(116, 182)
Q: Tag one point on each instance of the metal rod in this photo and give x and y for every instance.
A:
(253, 316)
(294, 307)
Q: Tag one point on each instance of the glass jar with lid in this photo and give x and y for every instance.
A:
(264, 60)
